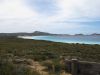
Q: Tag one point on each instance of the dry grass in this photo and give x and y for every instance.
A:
(40, 69)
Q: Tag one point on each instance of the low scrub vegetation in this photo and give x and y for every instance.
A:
(15, 51)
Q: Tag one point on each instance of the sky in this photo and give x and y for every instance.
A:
(54, 16)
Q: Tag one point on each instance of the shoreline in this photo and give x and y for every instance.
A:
(58, 41)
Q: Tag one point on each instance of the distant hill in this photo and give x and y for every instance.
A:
(79, 34)
(95, 34)
(36, 33)
(39, 33)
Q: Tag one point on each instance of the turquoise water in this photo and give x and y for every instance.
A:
(70, 39)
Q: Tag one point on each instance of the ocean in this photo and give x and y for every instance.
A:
(68, 39)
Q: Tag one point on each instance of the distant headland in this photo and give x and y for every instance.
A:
(40, 33)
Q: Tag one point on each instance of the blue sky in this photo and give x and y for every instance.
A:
(55, 16)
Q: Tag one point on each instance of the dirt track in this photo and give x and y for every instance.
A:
(40, 69)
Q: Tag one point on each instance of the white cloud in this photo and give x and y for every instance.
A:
(68, 9)
(16, 14)
(78, 9)
(15, 9)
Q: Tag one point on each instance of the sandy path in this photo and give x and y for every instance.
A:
(39, 68)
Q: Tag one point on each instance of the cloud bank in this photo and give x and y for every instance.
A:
(56, 16)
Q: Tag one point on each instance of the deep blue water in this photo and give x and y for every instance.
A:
(69, 39)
